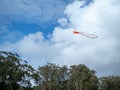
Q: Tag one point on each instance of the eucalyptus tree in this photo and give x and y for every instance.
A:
(53, 77)
(14, 72)
(110, 83)
(82, 78)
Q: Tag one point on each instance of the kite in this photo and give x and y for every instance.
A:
(93, 36)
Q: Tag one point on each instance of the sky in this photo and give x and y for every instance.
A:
(41, 31)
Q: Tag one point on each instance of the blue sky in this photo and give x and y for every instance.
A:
(40, 31)
(18, 22)
(43, 19)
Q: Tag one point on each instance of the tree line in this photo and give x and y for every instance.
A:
(17, 74)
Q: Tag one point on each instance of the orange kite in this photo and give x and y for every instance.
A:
(93, 36)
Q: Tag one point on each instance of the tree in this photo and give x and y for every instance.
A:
(14, 72)
(110, 83)
(82, 78)
(52, 77)
(77, 77)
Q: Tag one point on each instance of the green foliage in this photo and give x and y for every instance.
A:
(53, 77)
(14, 72)
(82, 78)
(110, 83)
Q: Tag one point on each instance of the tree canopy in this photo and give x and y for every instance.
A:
(17, 74)
(14, 72)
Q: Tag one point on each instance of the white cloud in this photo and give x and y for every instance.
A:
(63, 47)
(39, 12)
(63, 22)
(33, 10)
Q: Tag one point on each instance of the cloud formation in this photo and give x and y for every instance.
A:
(33, 10)
(63, 47)
(39, 12)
